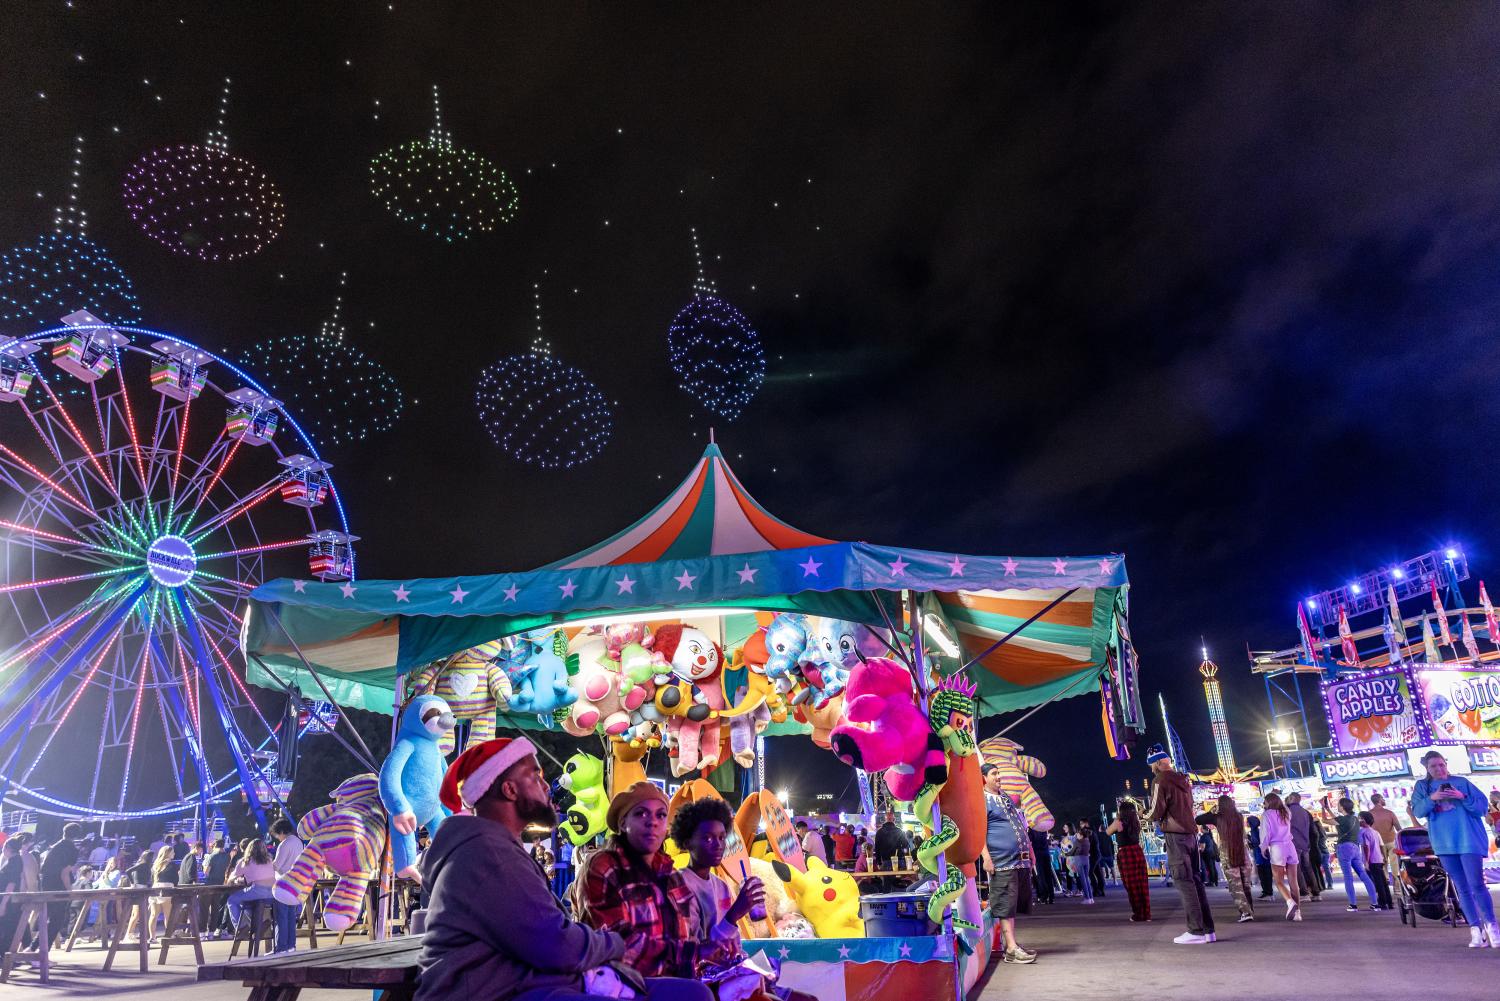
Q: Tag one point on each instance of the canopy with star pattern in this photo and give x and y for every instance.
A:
(709, 546)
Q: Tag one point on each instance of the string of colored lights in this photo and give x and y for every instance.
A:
(541, 411)
(342, 394)
(442, 189)
(714, 351)
(64, 271)
(203, 201)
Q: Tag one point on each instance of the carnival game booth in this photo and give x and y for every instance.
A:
(710, 623)
(1382, 721)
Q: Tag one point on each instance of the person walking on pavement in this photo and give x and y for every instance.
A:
(1302, 841)
(1229, 825)
(1369, 843)
(1007, 859)
(1208, 853)
(1126, 829)
(1386, 824)
(1352, 856)
(1281, 852)
(1262, 864)
(1454, 809)
(1078, 863)
(1172, 812)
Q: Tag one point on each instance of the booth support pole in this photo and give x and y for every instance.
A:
(276, 618)
(919, 675)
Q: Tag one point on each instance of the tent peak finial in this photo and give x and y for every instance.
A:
(711, 436)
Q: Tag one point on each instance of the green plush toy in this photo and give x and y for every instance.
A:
(583, 776)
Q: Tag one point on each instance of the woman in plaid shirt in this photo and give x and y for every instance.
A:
(631, 888)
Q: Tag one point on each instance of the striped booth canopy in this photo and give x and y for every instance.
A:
(710, 548)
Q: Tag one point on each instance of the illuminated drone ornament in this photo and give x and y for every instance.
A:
(341, 394)
(449, 192)
(202, 201)
(62, 272)
(714, 351)
(541, 411)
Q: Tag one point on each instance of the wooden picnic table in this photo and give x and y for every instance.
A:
(133, 905)
(388, 966)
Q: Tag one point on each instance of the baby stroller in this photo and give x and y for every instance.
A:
(1422, 885)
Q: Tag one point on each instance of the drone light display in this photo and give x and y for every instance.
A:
(442, 189)
(342, 394)
(714, 351)
(541, 411)
(63, 271)
(203, 201)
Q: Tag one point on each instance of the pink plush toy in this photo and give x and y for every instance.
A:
(605, 698)
(883, 730)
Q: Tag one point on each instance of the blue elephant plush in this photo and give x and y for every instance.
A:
(412, 775)
(539, 674)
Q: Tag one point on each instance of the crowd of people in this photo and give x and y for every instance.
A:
(249, 869)
(1283, 849)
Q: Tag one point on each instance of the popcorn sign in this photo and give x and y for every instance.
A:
(1370, 766)
(1371, 711)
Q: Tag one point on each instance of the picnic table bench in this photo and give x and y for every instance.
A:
(131, 906)
(388, 966)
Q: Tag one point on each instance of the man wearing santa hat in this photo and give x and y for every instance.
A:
(494, 930)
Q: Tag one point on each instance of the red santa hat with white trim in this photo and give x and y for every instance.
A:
(474, 771)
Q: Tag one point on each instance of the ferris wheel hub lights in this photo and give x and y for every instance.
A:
(171, 561)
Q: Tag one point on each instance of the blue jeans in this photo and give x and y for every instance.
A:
(1079, 864)
(239, 899)
(1351, 860)
(1467, 873)
(286, 925)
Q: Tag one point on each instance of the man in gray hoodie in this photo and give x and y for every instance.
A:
(494, 930)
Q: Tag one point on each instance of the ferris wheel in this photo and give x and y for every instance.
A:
(134, 519)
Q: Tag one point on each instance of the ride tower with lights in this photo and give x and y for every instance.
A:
(134, 518)
(1214, 696)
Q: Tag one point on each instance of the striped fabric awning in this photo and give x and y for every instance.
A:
(1068, 641)
(709, 514)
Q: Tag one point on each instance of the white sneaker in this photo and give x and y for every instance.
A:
(1476, 937)
(1188, 938)
(1492, 934)
(1246, 917)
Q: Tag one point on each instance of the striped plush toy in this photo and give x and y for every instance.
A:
(1018, 770)
(474, 685)
(347, 837)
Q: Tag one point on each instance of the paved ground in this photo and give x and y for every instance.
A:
(1087, 954)
(1090, 953)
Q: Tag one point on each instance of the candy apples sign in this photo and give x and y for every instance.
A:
(1462, 703)
(1371, 711)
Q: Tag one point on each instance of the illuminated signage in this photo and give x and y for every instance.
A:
(1366, 766)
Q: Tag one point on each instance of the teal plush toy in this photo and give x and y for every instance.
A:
(412, 775)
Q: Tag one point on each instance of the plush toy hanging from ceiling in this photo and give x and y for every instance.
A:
(755, 705)
(347, 837)
(411, 776)
(696, 663)
(1017, 770)
(605, 697)
(539, 673)
(474, 685)
(962, 829)
(583, 778)
(884, 730)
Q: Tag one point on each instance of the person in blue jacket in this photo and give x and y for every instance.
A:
(1455, 811)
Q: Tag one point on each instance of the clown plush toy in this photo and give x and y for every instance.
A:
(696, 660)
(410, 776)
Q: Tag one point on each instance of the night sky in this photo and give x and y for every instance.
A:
(1210, 285)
